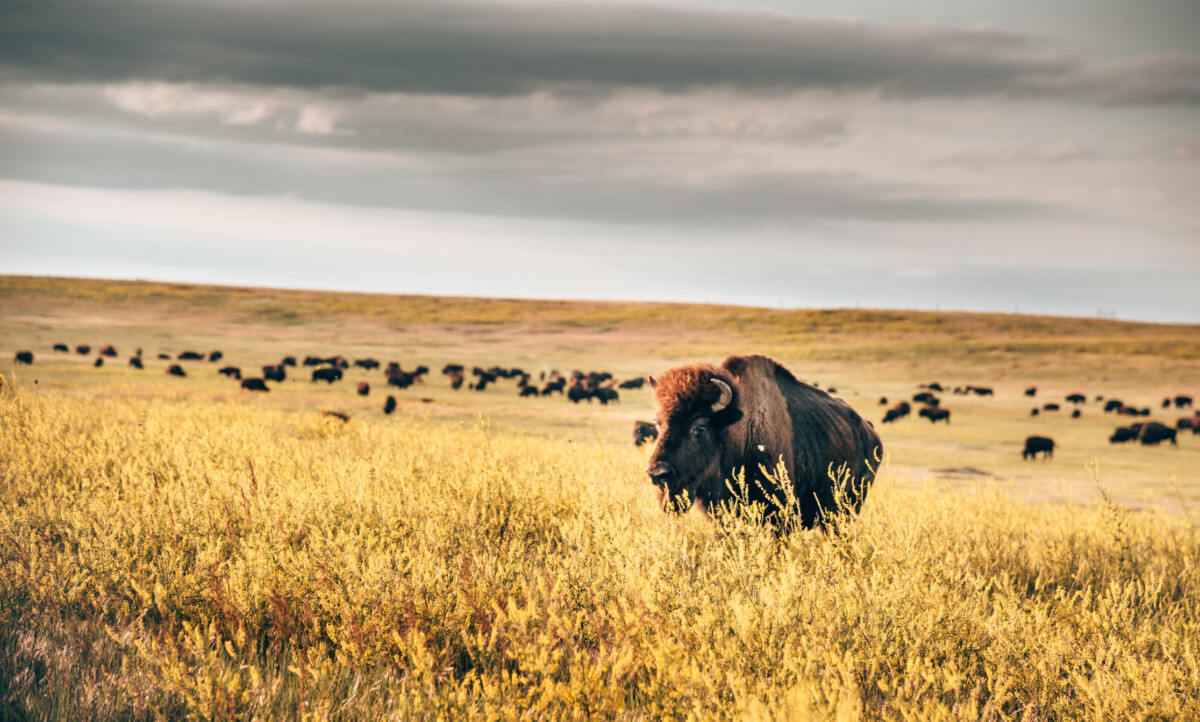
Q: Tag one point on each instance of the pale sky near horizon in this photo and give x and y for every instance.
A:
(1042, 157)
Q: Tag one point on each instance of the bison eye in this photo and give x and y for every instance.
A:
(700, 427)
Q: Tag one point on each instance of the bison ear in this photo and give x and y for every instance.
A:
(653, 383)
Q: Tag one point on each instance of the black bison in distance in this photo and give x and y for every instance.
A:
(23, 357)
(1038, 444)
(254, 385)
(749, 414)
(643, 431)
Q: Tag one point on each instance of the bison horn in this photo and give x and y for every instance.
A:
(726, 395)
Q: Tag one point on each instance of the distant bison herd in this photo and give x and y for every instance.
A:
(576, 386)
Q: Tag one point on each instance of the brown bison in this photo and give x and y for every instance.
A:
(108, 351)
(1038, 444)
(83, 349)
(23, 357)
(456, 380)
(1154, 433)
(233, 372)
(176, 370)
(136, 362)
(750, 414)
(935, 414)
(363, 388)
(390, 405)
(606, 395)
(643, 431)
(529, 391)
(255, 385)
(191, 356)
(899, 411)
(328, 374)
(275, 373)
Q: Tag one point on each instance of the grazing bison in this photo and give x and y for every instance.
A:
(214, 356)
(390, 405)
(191, 356)
(176, 370)
(1050, 407)
(366, 363)
(606, 394)
(275, 373)
(1031, 391)
(288, 361)
(1077, 399)
(980, 390)
(136, 362)
(1076, 414)
(578, 393)
(108, 351)
(643, 431)
(1035, 411)
(363, 388)
(62, 347)
(899, 411)
(529, 391)
(23, 357)
(883, 401)
(400, 379)
(1036, 444)
(751, 414)
(456, 380)
(234, 372)
(255, 384)
(1154, 433)
(327, 374)
(1123, 434)
(1183, 402)
(1166, 404)
(935, 414)
(1112, 405)
(633, 383)
(164, 357)
(923, 398)
(1186, 422)
(559, 384)
(935, 386)
(83, 349)
(452, 369)
(99, 362)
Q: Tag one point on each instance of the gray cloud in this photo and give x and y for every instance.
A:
(488, 48)
(763, 198)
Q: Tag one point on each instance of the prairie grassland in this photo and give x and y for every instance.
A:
(176, 547)
(221, 559)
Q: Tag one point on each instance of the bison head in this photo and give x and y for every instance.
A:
(696, 405)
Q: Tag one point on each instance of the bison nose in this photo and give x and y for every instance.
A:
(659, 472)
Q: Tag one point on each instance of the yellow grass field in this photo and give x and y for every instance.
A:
(181, 548)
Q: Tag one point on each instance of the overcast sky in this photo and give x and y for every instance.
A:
(1032, 155)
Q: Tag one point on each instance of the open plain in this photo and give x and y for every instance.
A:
(180, 546)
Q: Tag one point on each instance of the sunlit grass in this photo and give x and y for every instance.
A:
(171, 556)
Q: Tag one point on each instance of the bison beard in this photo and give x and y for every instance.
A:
(749, 414)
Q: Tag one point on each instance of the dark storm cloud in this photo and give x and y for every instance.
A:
(513, 48)
(734, 200)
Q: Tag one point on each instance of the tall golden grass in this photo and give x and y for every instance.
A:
(168, 557)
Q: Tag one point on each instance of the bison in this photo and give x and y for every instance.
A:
(288, 361)
(1154, 433)
(1122, 434)
(363, 388)
(255, 385)
(1076, 414)
(191, 356)
(606, 394)
(233, 372)
(529, 391)
(176, 370)
(83, 349)
(923, 398)
(366, 363)
(390, 405)
(1038, 444)
(275, 373)
(1035, 411)
(643, 431)
(1077, 399)
(108, 351)
(23, 357)
(750, 414)
(164, 357)
(899, 411)
(883, 401)
(456, 380)
(1050, 407)
(1183, 402)
(578, 393)
(62, 347)
(136, 362)
(935, 414)
(336, 414)
(633, 383)
(214, 356)
(1112, 405)
(99, 362)
(328, 374)
(1031, 391)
